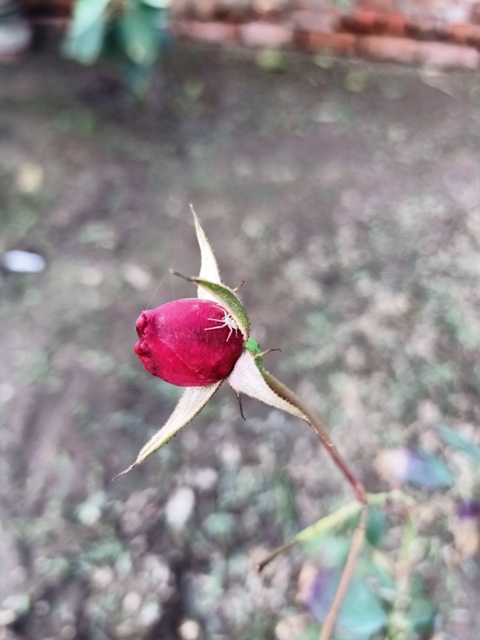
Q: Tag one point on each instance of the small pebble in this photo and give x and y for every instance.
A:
(23, 262)
(179, 508)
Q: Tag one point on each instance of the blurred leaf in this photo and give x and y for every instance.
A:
(379, 570)
(453, 439)
(428, 471)
(421, 616)
(138, 77)
(413, 466)
(377, 526)
(140, 36)
(157, 4)
(85, 37)
(361, 614)
(311, 633)
(272, 60)
(332, 549)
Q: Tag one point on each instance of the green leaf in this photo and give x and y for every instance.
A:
(453, 439)
(421, 616)
(361, 614)
(140, 36)
(377, 526)
(85, 36)
(428, 471)
(272, 60)
(157, 4)
(189, 405)
(253, 346)
(138, 77)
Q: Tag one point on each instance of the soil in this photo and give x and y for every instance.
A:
(346, 196)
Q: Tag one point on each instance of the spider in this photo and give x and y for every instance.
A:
(226, 321)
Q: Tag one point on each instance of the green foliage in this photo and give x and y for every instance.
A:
(428, 471)
(134, 30)
(377, 526)
(453, 439)
(85, 37)
(361, 615)
(374, 604)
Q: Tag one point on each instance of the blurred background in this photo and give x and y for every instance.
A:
(346, 193)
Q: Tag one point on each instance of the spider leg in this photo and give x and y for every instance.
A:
(220, 326)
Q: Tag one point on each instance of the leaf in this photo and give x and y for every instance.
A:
(428, 471)
(85, 36)
(413, 466)
(140, 36)
(189, 405)
(453, 439)
(421, 616)
(138, 77)
(247, 378)
(158, 4)
(377, 526)
(361, 614)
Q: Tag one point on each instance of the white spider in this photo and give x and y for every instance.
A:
(226, 321)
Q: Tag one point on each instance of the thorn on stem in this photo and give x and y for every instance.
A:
(239, 286)
(240, 405)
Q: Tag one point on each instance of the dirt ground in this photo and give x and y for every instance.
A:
(347, 196)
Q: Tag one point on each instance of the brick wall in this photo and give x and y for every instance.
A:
(440, 33)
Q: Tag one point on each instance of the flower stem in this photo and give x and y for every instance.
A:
(322, 434)
(347, 573)
(336, 519)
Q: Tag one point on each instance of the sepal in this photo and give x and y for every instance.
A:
(189, 405)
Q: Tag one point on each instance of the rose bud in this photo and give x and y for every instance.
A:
(190, 342)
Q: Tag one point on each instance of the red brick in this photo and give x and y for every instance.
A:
(388, 49)
(459, 33)
(464, 34)
(474, 38)
(380, 6)
(448, 56)
(475, 13)
(326, 21)
(367, 22)
(269, 8)
(426, 28)
(214, 32)
(265, 34)
(395, 24)
(360, 21)
(203, 10)
(343, 43)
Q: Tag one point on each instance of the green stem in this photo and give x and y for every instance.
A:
(288, 395)
(335, 520)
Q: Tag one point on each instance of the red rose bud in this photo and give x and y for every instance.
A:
(189, 343)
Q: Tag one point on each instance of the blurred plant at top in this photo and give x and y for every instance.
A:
(133, 30)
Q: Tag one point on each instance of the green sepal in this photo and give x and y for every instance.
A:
(253, 346)
(228, 299)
